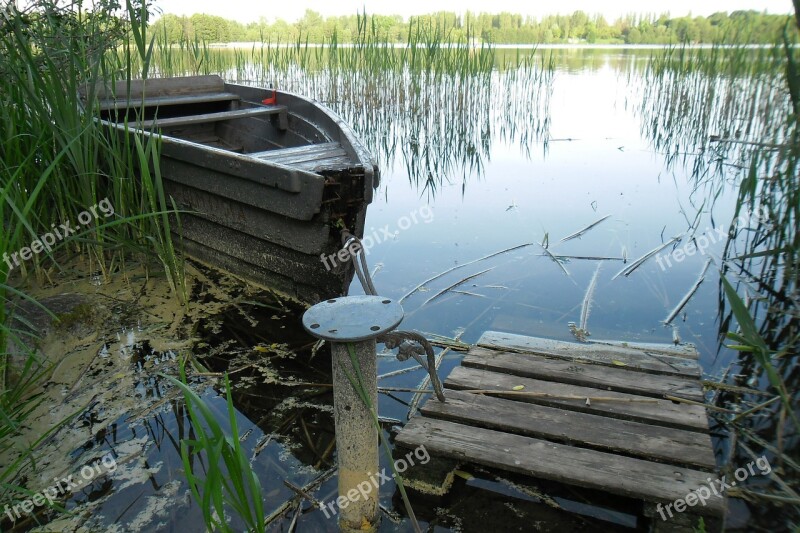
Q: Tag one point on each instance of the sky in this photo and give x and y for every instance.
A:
(249, 10)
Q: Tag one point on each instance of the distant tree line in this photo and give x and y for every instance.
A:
(504, 28)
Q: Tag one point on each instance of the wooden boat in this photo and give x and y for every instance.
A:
(270, 177)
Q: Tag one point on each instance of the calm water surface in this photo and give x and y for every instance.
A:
(485, 165)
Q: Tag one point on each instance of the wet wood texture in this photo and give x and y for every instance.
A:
(589, 415)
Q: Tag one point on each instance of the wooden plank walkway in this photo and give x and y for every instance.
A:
(605, 415)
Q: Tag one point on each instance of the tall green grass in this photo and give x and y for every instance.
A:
(57, 161)
(437, 92)
(229, 483)
(729, 117)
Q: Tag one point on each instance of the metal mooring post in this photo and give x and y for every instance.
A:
(357, 320)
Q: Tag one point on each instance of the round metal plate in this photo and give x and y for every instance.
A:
(352, 318)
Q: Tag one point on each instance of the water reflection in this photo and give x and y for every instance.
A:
(640, 149)
(437, 117)
(727, 116)
(439, 126)
(708, 110)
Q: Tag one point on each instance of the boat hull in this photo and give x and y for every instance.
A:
(263, 190)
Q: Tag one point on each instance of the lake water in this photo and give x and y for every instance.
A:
(514, 161)
(594, 160)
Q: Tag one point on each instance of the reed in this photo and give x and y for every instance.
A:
(761, 266)
(57, 161)
(386, 91)
(729, 115)
(229, 483)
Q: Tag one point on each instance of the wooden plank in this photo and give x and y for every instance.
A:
(310, 158)
(201, 137)
(107, 105)
(331, 163)
(155, 87)
(255, 134)
(686, 350)
(258, 252)
(293, 287)
(626, 476)
(211, 117)
(207, 139)
(685, 448)
(663, 412)
(225, 146)
(295, 151)
(283, 120)
(241, 184)
(259, 222)
(587, 375)
(634, 359)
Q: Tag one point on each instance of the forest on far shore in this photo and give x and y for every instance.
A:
(738, 27)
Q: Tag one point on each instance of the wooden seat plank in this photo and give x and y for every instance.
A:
(626, 476)
(340, 162)
(646, 360)
(212, 117)
(618, 379)
(106, 105)
(155, 87)
(670, 445)
(309, 158)
(297, 151)
(660, 412)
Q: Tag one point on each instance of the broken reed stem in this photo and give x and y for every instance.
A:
(701, 404)
(312, 485)
(756, 408)
(732, 388)
(404, 389)
(760, 495)
(587, 300)
(405, 370)
(300, 492)
(445, 342)
(437, 276)
(454, 285)
(685, 300)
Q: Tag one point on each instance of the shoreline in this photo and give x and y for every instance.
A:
(557, 46)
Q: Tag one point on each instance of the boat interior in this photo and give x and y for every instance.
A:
(202, 110)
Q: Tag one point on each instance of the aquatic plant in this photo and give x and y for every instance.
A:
(229, 483)
(438, 91)
(763, 263)
(56, 161)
